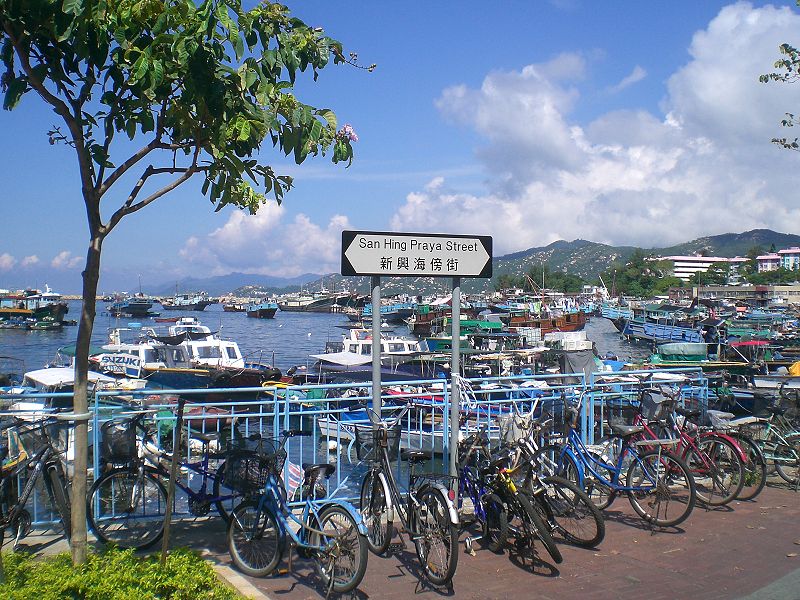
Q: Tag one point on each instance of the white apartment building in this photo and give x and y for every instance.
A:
(684, 267)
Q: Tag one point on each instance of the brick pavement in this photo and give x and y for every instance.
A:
(750, 549)
(721, 553)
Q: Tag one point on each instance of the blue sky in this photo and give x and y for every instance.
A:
(627, 123)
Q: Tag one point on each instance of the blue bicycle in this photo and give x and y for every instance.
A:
(330, 531)
(658, 484)
(488, 508)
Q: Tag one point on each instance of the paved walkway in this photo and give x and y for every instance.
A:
(748, 550)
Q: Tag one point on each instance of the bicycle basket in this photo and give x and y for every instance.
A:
(654, 406)
(248, 470)
(365, 442)
(118, 440)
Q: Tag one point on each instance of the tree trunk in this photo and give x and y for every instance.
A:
(91, 275)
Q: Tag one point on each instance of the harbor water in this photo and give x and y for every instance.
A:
(285, 341)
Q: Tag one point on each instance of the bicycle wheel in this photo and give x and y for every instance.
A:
(435, 536)
(574, 515)
(342, 558)
(374, 510)
(60, 497)
(254, 541)
(667, 493)
(717, 470)
(126, 507)
(787, 459)
(218, 490)
(755, 469)
(495, 522)
(534, 527)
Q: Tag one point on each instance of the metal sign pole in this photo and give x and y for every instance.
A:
(377, 403)
(455, 371)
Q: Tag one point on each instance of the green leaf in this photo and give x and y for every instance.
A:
(244, 131)
(73, 7)
(130, 128)
(238, 46)
(330, 117)
(16, 87)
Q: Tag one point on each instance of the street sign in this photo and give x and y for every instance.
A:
(387, 254)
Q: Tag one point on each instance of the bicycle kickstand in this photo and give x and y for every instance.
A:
(468, 543)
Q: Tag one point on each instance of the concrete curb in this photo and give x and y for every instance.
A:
(237, 582)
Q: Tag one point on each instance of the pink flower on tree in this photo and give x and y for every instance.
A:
(348, 132)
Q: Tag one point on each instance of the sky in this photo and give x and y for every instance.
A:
(626, 123)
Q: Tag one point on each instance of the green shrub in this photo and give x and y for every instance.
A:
(112, 574)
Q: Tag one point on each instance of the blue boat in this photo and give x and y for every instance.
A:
(262, 310)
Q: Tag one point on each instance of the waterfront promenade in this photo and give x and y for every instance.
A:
(748, 550)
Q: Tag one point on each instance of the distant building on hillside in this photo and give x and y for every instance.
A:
(684, 267)
(768, 262)
(790, 258)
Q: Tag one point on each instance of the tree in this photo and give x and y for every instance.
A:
(202, 86)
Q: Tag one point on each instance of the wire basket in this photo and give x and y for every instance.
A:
(37, 435)
(365, 442)
(248, 470)
(654, 406)
(118, 440)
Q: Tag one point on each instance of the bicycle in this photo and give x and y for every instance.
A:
(657, 476)
(524, 521)
(488, 508)
(329, 531)
(779, 442)
(428, 513)
(755, 475)
(127, 504)
(563, 506)
(715, 460)
(43, 463)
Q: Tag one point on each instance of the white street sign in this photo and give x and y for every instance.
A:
(416, 254)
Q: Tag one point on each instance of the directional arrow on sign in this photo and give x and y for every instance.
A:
(394, 254)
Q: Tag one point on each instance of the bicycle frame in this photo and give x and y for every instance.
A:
(585, 460)
(41, 460)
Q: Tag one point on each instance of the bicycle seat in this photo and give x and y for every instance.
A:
(413, 456)
(625, 430)
(689, 413)
(313, 470)
(749, 420)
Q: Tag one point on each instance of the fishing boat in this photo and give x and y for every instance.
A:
(265, 309)
(33, 304)
(191, 302)
(136, 306)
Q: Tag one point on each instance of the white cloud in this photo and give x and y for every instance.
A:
(7, 262)
(704, 166)
(64, 260)
(29, 261)
(268, 243)
(635, 76)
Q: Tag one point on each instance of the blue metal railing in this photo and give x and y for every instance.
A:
(332, 411)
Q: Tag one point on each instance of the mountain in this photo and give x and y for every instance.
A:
(734, 244)
(225, 284)
(580, 257)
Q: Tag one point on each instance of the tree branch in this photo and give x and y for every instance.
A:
(130, 207)
(124, 167)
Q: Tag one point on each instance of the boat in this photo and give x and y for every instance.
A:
(186, 355)
(33, 304)
(395, 312)
(232, 307)
(265, 309)
(137, 306)
(320, 301)
(191, 301)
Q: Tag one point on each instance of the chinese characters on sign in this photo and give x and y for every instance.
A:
(415, 254)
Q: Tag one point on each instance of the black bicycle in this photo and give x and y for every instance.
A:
(37, 455)
(428, 513)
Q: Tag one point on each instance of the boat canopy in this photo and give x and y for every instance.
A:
(345, 359)
(59, 376)
(684, 349)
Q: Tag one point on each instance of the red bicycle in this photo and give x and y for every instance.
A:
(715, 460)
